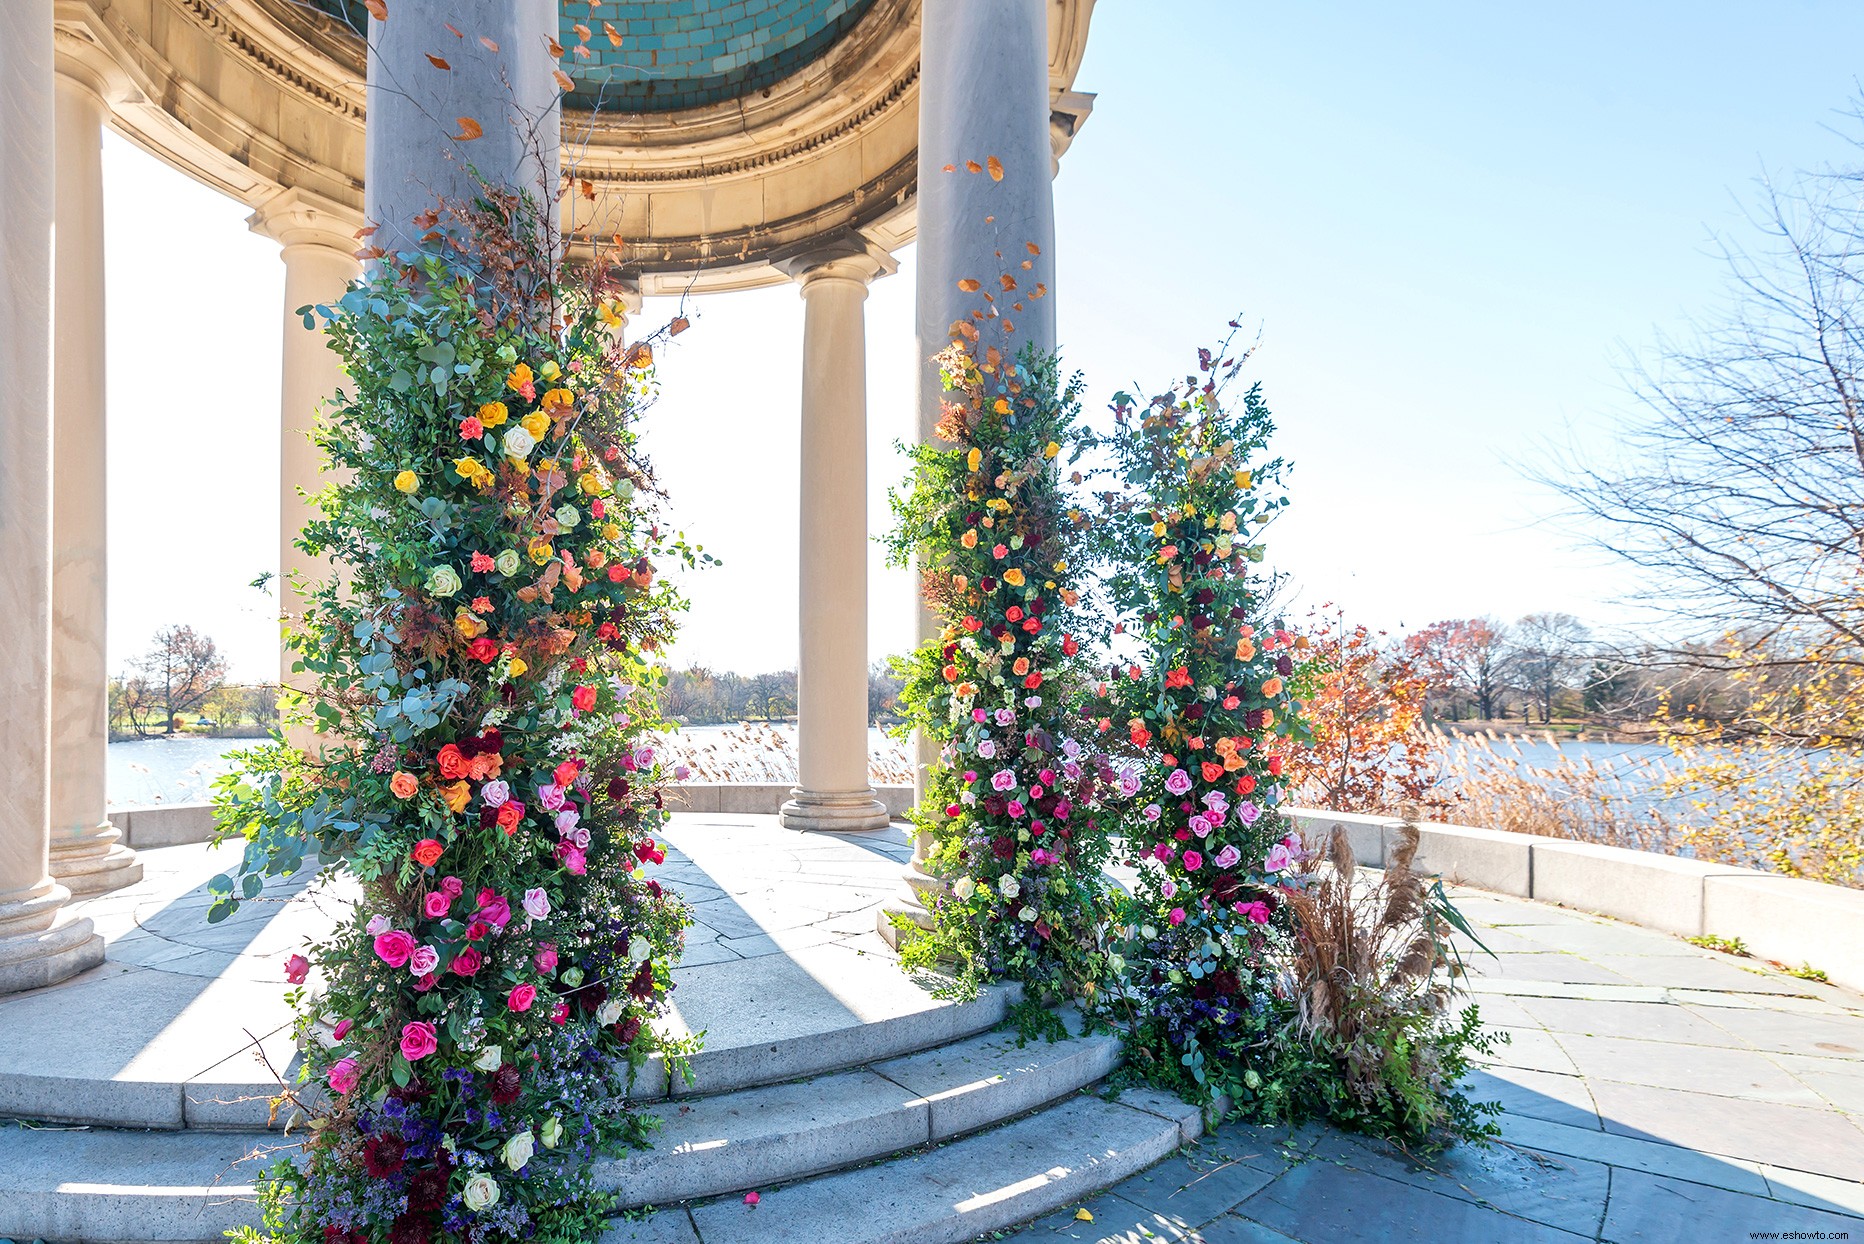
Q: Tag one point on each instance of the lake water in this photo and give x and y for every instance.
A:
(181, 770)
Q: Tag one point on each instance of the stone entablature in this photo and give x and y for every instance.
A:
(255, 97)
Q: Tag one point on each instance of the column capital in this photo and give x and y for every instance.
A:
(1068, 112)
(295, 217)
(848, 257)
(78, 61)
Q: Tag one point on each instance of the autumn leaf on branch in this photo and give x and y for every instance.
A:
(469, 129)
(973, 166)
(680, 324)
(437, 62)
(378, 9)
(614, 36)
(490, 46)
(996, 168)
(563, 80)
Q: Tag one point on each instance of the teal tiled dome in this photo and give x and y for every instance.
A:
(664, 55)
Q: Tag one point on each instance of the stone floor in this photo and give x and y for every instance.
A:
(1653, 1092)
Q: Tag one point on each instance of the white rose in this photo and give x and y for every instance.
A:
(639, 949)
(964, 888)
(568, 516)
(518, 1150)
(518, 443)
(490, 1059)
(1027, 915)
(1009, 887)
(551, 1132)
(608, 1013)
(481, 1193)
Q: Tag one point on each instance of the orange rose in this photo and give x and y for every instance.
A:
(508, 815)
(452, 762)
(427, 852)
(404, 785)
(457, 794)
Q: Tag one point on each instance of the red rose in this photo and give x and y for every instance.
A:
(1034, 680)
(509, 815)
(1180, 677)
(452, 763)
(1068, 646)
(1245, 784)
(427, 851)
(467, 961)
(1212, 771)
(1275, 763)
(583, 698)
(483, 649)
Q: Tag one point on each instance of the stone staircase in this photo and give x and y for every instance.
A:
(936, 1126)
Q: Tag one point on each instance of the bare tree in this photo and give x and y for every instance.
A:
(178, 672)
(1463, 659)
(1738, 488)
(1547, 655)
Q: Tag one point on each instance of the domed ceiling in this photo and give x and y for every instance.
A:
(663, 55)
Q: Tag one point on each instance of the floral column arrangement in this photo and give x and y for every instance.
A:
(1012, 801)
(1207, 708)
(485, 691)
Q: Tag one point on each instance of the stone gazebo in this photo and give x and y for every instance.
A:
(730, 143)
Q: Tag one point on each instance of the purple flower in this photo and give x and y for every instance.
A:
(1152, 812)
(495, 794)
(1278, 858)
(1200, 825)
(1248, 812)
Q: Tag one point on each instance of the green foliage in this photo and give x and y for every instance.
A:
(1727, 945)
(1011, 801)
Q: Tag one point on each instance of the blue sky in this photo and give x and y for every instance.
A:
(1450, 222)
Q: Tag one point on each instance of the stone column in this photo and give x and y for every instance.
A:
(319, 244)
(40, 943)
(832, 791)
(414, 155)
(983, 94)
(87, 853)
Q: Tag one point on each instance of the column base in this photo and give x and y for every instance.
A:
(833, 812)
(42, 944)
(94, 863)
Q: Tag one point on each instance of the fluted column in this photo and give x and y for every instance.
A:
(832, 791)
(40, 942)
(87, 853)
(983, 96)
(318, 240)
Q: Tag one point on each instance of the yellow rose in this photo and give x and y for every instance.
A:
(559, 401)
(467, 624)
(972, 459)
(589, 484)
(1243, 480)
(519, 377)
(1001, 406)
(536, 423)
(516, 668)
(968, 540)
(1013, 577)
(550, 370)
(457, 794)
(493, 413)
(1050, 450)
(611, 531)
(541, 551)
(407, 481)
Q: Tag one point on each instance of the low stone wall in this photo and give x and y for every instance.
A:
(167, 825)
(1781, 918)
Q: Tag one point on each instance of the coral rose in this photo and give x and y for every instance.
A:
(427, 852)
(403, 785)
(522, 997)
(452, 761)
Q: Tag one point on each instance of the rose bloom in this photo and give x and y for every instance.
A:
(1178, 782)
(418, 1040)
(536, 903)
(423, 961)
(343, 1076)
(573, 859)
(546, 959)
(453, 886)
(495, 794)
(509, 814)
(394, 947)
(436, 903)
(521, 997)
(427, 852)
(467, 961)
(583, 698)
(494, 909)
(403, 785)
(297, 968)
(550, 795)
(565, 773)
(342, 1029)
(457, 795)
(451, 761)
(483, 649)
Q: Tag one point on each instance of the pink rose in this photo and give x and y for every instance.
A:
(536, 903)
(1258, 912)
(1177, 915)
(423, 961)
(436, 904)
(522, 997)
(1192, 861)
(417, 1040)
(574, 861)
(342, 1029)
(394, 947)
(467, 961)
(343, 1076)
(453, 886)
(561, 1015)
(547, 959)
(493, 909)
(297, 968)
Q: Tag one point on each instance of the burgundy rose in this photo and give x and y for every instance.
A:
(642, 986)
(628, 1029)
(427, 1191)
(411, 1228)
(506, 1083)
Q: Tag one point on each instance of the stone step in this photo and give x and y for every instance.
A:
(101, 1185)
(161, 1087)
(760, 1136)
(1046, 1161)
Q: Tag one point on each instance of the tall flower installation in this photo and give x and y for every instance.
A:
(1207, 709)
(483, 658)
(1012, 799)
